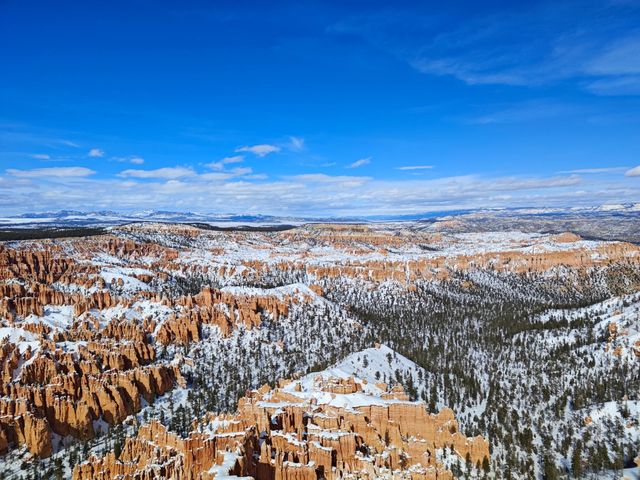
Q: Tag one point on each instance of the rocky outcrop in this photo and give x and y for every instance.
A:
(238, 308)
(26, 429)
(53, 391)
(45, 266)
(157, 453)
(222, 309)
(299, 432)
(24, 302)
(182, 330)
(70, 404)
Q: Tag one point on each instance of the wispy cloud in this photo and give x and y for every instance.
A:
(239, 191)
(220, 176)
(346, 181)
(623, 85)
(41, 156)
(96, 153)
(619, 57)
(634, 172)
(415, 167)
(596, 170)
(135, 160)
(616, 68)
(261, 150)
(242, 171)
(360, 163)
(220, 164)
(538, 44)
(296, 144)
(59, 172)
(165, 173)
(528, 111)
(257, 176)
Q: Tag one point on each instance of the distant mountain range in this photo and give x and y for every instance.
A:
(108, 217)
(77, 218)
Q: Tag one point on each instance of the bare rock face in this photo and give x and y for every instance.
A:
(320, 427)
(37, 436)
(69, 406)
(63, 393)
(222, 309)
(28, 430)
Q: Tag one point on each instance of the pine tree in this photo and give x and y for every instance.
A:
(576, 460)
(550, 470)
(117, 446)
(485, 464)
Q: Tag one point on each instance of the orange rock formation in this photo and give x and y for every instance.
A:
(294, 433)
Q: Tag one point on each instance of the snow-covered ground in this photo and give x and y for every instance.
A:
(519, 381)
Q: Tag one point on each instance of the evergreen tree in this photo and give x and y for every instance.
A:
(576, 460)
(549, 468)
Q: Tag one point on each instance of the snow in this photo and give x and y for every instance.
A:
(377, 361)
(239, 251)
(59, 318)
(24, 221)
(380, 359)
(130, 283)
(611, 207)
(139, 310)
(71, 347)
(216, 424)
(221, 472)
(301, 334)
(22, 338)
(624, 312)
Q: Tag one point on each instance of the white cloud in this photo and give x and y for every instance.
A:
(519, 183)
(135, 160)
(634, 172)
(242, 171)
(619, 58)
(256, 176)
(226, 175)
(41, 156)
(215, 176)
(260, 150)
(324, 178)
(530, 46)
(296, 144)
(219, 165)
(415, 167)
(360, 163)
(528, 111)
(596, 170)
(240, 191)
(58, 172)
(624, 85)
(96, 153)
(342, 181)
(164, 173)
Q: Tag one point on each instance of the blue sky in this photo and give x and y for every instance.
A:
(318, 108)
